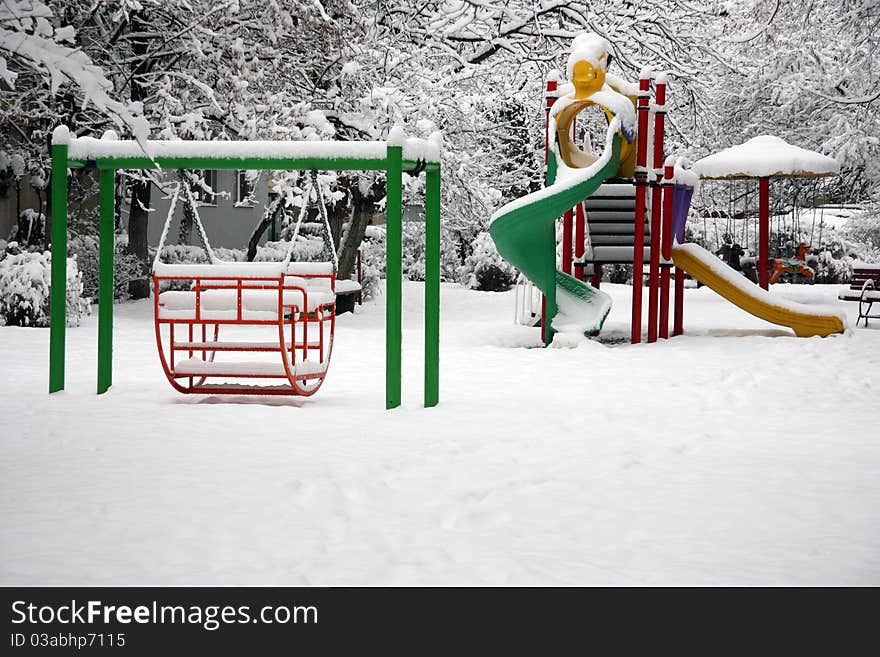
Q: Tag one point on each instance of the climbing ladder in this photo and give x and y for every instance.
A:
(610, 214)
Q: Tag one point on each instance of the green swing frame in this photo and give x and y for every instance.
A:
(393, 163)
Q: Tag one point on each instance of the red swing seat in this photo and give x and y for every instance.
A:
(293, 303)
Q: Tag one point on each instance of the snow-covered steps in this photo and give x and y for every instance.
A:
(610, 214)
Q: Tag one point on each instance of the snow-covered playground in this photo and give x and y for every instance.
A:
(734, 454)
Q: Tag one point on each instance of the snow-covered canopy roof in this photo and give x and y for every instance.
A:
(766, 156)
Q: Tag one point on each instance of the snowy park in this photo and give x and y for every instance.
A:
(324, 293)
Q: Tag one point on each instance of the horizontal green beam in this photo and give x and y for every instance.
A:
(257, 164)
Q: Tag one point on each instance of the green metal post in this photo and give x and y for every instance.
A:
(107, 233)
(432, 286)
(58, 292)
(393, 275)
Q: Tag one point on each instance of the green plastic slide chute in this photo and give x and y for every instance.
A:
(524, 232)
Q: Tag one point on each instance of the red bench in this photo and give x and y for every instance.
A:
(865, 288)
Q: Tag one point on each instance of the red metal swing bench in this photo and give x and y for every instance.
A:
(292, 303)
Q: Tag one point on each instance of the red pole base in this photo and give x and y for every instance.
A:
(678, 321)
(664, 303)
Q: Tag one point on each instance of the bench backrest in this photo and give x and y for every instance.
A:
(862, 274)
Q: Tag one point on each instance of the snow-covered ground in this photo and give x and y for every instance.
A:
(735, 454)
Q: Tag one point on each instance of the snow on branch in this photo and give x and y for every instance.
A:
(29, 40)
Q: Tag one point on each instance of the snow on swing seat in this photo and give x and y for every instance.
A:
(242, 270)
(347, 286)
(256, 304)
(256, 369)
(223, 304)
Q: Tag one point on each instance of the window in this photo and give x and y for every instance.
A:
(244, 189)
(209, 180)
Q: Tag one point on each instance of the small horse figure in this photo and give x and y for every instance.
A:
(794, 267)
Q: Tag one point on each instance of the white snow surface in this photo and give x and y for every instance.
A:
(86, 148)
(575, 316)
(765, 155)
(735, 454)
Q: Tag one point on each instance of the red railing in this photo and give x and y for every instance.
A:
(287, 315)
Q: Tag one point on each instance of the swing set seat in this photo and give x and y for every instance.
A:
(295, 303)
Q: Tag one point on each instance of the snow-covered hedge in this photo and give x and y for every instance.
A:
(865, 230)
(372, 261)
(126, 266)
(24, 289)
(484, 269)
(30, 229)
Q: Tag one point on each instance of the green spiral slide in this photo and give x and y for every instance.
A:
(524, 232)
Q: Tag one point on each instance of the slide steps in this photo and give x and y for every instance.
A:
(610, 213)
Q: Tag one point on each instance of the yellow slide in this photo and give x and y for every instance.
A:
(734, 287)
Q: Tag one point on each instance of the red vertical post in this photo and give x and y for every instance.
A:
(678, 322)
(641, 181)
(549, 99)
(656, 203)
(580, 224)
(666, 245)
(763, 231)
(567, 224)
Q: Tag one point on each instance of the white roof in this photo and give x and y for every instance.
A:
(766, 156)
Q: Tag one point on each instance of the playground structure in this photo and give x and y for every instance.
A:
(616, 209)
(295, 301)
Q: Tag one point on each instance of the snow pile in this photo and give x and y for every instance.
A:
(765, 156)
(623, 86)
(578, 314)
(684, 174)
(589, 48)
(24, 290)
(416, 149)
